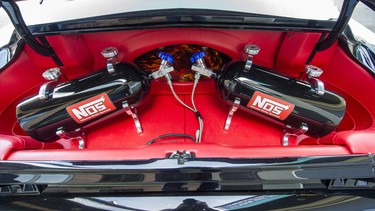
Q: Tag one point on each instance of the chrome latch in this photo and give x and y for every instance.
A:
(110, 54)
(251, 51)
(181, 156)
(232, 110)
(78, 135)
(289, 131)
(133, 113)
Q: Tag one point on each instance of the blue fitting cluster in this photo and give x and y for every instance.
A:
(197, 56)
(166, 57)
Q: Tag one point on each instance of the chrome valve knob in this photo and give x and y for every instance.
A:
(251, 51)
(52, 74)
(313, 71)
(109, 52)
(198, 58)
(166, 57)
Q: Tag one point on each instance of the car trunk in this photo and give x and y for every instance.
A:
(249, 136)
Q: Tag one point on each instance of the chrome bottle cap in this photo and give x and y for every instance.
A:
(52, 74)
(109, 52)
(251, 49)
(313, 71)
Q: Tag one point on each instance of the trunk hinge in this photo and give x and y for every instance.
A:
(341, 23)
(14, 13)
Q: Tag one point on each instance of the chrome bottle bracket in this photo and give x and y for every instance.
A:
(78, 135)
(52, 75)
(251, 51)
(289, 131)
(232, 110)
(311, 76)
(133, 113)
(46, 89)
(110, 54)
(318, 86)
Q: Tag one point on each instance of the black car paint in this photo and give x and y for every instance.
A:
(58, 197)
(299, 183)
(207, 201)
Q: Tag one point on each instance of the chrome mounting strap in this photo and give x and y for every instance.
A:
(289, 131)
(78, 135)
(232, 109)
(133, 114)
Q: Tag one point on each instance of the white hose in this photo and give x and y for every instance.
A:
(201, 125)
(194, 109)
(177, 98)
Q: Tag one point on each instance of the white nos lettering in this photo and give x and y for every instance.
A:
(90, 109)
(269, 105)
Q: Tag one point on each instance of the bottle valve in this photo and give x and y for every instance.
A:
(166, 59)
(165, 66)
(200, 67)
(251, 51)
(198, 58)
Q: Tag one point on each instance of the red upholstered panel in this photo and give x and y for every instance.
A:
(230, 42)
(294, 51)
(357, 142)
(11, 143)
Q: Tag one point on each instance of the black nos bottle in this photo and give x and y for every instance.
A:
(81, 101)
(282, 99)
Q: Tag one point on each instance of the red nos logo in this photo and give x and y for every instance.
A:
(270, 106)
(91, 108)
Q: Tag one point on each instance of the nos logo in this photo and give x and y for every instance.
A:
(270, 106)
(91, 108)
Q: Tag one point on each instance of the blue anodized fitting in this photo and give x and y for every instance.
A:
(198, 58)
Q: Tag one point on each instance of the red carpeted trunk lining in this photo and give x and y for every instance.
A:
(162, 114)
(249, 136)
